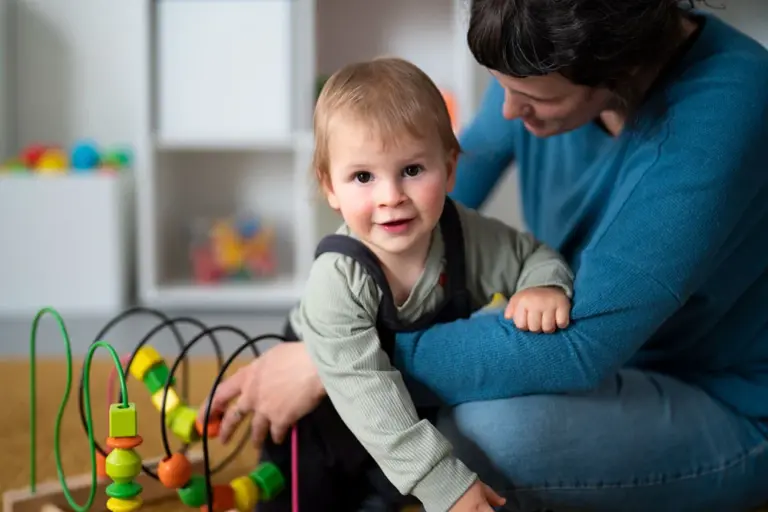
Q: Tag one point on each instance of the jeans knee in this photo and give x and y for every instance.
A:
(505, 439)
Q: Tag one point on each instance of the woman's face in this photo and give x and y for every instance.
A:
(551, 104)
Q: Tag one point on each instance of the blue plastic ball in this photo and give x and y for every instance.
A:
(85, 156)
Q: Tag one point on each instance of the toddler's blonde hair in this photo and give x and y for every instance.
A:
(391, 95)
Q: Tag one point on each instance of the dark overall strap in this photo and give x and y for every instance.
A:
(453, 240)
(356, 250)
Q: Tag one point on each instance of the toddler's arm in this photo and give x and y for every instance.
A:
(338, 317)
(501, 259)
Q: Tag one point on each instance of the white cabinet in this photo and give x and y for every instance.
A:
(235, 83)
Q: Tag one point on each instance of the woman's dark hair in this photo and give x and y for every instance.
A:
(590, 42)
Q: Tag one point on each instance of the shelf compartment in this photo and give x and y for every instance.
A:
(197, 186)
(223, 71)
(278, 294)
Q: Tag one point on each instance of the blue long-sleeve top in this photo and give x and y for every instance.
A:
(665, 226)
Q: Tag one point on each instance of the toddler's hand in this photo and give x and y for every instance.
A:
(478, 498)
(539, 309)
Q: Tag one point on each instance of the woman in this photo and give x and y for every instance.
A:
(640, 131)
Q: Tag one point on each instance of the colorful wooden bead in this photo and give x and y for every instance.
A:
(123, 490)
(183, 424)
(175, 471)
(223, 499)
(193, 494)
(129, 505)
(101, 465)
(123, 465)
(155, 377)
(171, 402)
(125, 443)
(145, 358)
(246, 493)
(269, 479)
(214, 425)
(122, 420)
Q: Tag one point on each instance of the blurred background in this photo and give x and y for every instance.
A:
(157, 152)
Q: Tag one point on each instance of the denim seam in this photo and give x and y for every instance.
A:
(756, 450)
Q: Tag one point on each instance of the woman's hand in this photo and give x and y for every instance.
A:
(278, 388)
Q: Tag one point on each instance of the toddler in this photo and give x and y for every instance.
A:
(405, 257)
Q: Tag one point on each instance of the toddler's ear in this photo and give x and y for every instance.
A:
(330, 196)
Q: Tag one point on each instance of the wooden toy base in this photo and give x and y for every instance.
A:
(49, 496)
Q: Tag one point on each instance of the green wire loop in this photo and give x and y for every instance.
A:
(88, 413)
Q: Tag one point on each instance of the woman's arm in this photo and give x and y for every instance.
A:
(487, 145)
(682, 209)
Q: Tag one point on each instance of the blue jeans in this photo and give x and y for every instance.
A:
(641, 442)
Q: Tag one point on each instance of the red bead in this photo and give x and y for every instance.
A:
(223, 499)
(175, 471)
(214, 425)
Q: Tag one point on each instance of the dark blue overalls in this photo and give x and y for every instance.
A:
(335, 472)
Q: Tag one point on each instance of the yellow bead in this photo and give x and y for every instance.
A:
(246, 493)
(172, 401)
(146, 358)
(121, 505)
(183, 424)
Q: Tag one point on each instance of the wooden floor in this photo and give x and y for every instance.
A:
(75, 456)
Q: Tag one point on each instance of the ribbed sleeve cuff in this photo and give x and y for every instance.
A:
(444, 485)
(548, 275)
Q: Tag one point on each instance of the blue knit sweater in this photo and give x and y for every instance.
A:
(666, 227)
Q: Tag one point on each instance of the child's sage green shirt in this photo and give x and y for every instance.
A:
(337, 321)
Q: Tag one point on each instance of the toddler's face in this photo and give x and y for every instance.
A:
(391, 196)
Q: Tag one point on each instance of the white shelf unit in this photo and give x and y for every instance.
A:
(234, 85)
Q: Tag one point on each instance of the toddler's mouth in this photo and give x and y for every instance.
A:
(396, 226)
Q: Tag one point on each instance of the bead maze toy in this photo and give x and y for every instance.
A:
(135, 482)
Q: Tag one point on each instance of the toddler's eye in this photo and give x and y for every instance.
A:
(412, 170)
(363, 176)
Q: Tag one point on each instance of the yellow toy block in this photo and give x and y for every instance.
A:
(171, 402)
(146, 358)
(122, 420)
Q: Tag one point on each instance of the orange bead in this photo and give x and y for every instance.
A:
(175, 471)
(124, 443)
(223, 499)
(101, 465)
(214, 424)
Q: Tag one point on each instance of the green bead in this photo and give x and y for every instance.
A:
(123, 465)
(183, 424)
(122, 420)
(269, 479)
(156, 376)
(123, 490)
(193, 494)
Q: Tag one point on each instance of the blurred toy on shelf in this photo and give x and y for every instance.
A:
(453, 108)
(233, 248)
(85, 156)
